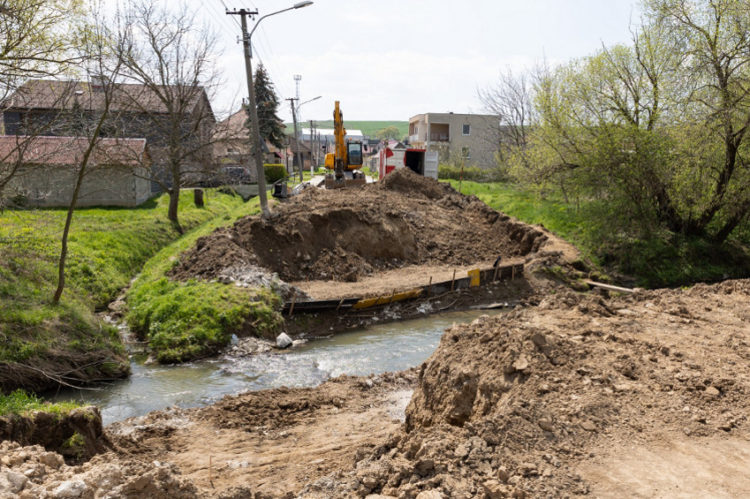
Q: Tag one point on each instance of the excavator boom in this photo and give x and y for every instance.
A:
(347, 158)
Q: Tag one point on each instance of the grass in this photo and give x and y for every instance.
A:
(368, 128)
(662, 260)
(107, 247)
(193, 319)
(21, 403)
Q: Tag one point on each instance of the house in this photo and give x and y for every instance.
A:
(471, 137)
(232, 148)
(63, 108)
(47, 169)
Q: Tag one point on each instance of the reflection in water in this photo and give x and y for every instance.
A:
(375, 349)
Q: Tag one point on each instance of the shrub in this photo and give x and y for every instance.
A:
(274, 172)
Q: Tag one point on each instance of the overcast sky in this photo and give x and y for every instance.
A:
(392, 59)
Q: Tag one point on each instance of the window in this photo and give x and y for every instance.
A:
(465, 151)
(467, 129)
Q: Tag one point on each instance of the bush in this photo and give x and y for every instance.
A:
(274, 172)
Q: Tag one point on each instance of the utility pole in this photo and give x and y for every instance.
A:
(296, 137)
(253, 108)
(312, 148)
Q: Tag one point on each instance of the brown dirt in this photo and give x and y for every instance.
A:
(640, 396)
(544, 400)
(347, 234)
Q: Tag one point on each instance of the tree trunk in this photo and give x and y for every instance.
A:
(174, 201)
(198, 198)
(66, 231)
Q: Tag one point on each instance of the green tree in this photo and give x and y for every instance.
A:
(271, 127)
(656, 130)
(388, 133)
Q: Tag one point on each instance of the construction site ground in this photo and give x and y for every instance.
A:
(569, 394)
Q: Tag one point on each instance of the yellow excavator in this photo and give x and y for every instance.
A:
(347, 158)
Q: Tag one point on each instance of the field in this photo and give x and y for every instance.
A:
(368, 128)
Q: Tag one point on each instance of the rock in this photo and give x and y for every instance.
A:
(521, 363)
(539, 340)
(546, 425)
(71, 488)
(12, 481)
(712, 391)
(424, 466)
(494, 489)
(461, 451)
(51, 459)
(430, 494)
(502, 474)
(518, 493)
(588, 426)
(283, 341)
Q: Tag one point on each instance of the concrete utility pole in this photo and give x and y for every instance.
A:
(296, 137)
(255, 129)
(253, 108)
(312, 148)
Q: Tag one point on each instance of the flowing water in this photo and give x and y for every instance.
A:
(375, 349)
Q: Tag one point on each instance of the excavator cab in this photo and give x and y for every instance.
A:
(354, 154)
(347, 158)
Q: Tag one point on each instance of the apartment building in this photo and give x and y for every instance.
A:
(473, 137)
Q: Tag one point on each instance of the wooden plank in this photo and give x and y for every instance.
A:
(609, 287)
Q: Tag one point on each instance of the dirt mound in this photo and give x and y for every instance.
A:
(345, 234)
(406, 182)
(512, 405)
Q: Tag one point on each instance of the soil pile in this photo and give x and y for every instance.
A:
(345, 234)
(512, 405)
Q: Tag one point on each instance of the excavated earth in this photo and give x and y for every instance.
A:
(643, 395)
(346, 235)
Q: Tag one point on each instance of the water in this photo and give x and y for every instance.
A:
(371, 350)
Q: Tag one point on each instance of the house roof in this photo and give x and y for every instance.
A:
(233, 128)
(64, 151)
(56, 94)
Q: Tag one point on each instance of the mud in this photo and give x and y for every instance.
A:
(583, 394)
(346, 234)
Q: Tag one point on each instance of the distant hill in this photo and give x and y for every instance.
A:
(368, 127)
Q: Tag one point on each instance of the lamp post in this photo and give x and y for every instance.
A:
(296, 135)
(255, 129)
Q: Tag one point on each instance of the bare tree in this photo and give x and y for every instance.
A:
(104, 62)
(511, 100)
(169, 55)
(36, 38)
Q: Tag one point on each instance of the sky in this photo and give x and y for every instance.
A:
(393, 59)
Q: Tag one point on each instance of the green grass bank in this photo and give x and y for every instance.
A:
(43, 345)
(193, 319)
(662, 260)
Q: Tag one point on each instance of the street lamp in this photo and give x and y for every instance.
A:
(296, 135)
(255, 129)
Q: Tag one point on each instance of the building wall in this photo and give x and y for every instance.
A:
(481, 140)
(43, 186)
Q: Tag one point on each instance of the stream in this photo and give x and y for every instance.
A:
(374, 349)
